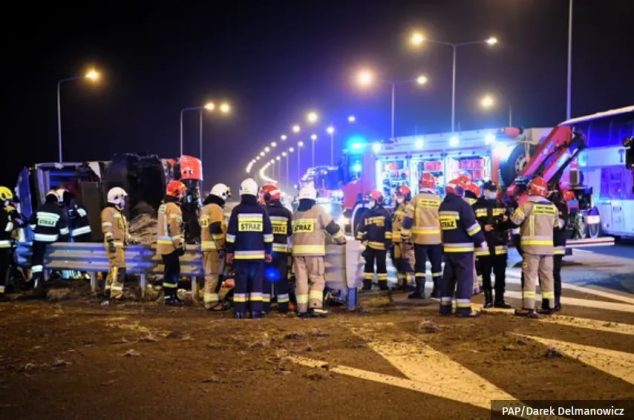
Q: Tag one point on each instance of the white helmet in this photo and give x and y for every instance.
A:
(308, 192)
(221, 191)
(116, 196)
(249, 187)
(58, 194)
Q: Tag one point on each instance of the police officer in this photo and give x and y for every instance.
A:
(8, 226)
(213, 229)
(537, 218)
(49, 224)
(276, 272)
(492, 214)
(375, 232)
(249, 243)
(171, 241)
(559, 243)
(460, 230)
(421, 226)
(116, 236)
(310, 223)
(401, 250)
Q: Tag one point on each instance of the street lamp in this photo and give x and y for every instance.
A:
(300, 144)
(312, 117)
(91, 75)
(488, 101)
(331, 130)
(224, 108)
(365, 78)
(417, 39)
(283, 137)
(352, 118)
(297, 128)
(313, 139)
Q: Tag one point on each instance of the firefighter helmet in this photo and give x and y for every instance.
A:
(221, 191)
(249, 187)
(473, 190)
(6, 194)
(404, 191)
(308, 192)
(465, 178)
(456, 186)
(538, 186)
(377, 196)
(427, 181)
(176, 189)
(116, 196)
(270, 192)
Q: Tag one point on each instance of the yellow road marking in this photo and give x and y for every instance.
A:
(592, 324)
(610, 306)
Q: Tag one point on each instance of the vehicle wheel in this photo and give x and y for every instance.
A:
(579, 226)
(514, 164)
(594, 229)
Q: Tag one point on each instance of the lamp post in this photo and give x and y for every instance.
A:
(224, 109)
(300, 144)
(92, 75)
(331, 130)
(417, 39)
(313, 139)
(488, 102)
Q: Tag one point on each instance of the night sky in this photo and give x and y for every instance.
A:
(273, 61)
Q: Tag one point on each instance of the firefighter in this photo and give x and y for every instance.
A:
(78, 222)
(422, 227)
(171, 240)
(460, 230)
(401, 250)
(537, 218)
(249, 243)
(213, 229)
(559, 243)
(310, 223)
(276, 272)
(376, 233)
(492, 214)
(8, 227)
(116, 236)
(471, 195)
(49, 224)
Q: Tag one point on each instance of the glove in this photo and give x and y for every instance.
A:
(268, 258)
(111, 248)
(180, 251)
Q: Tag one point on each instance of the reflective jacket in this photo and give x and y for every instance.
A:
(249, 235)
(492, 212)
(213, 227)
(309, 232)
(79, 223)
(7, 226)
(460, 229)
(559, 234)
(114, 226)
(537, 219)
(49, 223)
(281, 220)
(376, 228)
(397, 221)
(421, 222)
(170, 228)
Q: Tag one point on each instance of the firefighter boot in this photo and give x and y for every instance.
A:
(367, 284)
(171, 297)
(500, 303)
(557, 303)
(419, 293)
(488, 298)
(435, 291)
(528, 313)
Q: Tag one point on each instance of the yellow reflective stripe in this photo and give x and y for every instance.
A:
(301, 299)
(231, 238)
(382, 276)
(396, 236)
(482, 252)
(170, 285)
(388, 235)
(249, 255)
(309, 249)
(218, 236)
(425, 231)
(240, 297)
(528, 295)
(211, 297)
(368, 276)
(376, 245)
(536, 242)
(268, 238)
(548, 295)
(283, 298)
(208, 245)
(280, 248)
(255, 297)
(316, 295)
(475, 228)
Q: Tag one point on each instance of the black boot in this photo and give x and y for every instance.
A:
(367, 284)
(488, 298)
(419, 293)
(557, 303)
(528, 313)
(435, 291)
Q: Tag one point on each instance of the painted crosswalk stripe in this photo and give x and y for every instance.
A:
(616, 363)
(591, 324)
(587, 303)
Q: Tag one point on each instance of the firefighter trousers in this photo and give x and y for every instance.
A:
(495, 264)
(402, 263)
(171, 274)
(557, 260)
(116, 273)
(534, 268)
(309, 294)
(378, 256)
(212, 264)
(247, 295)
(5, 262)
(276, 282)
(434, 254)
(37, 263)
(457, 280)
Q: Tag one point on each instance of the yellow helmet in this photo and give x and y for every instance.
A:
(5, 194)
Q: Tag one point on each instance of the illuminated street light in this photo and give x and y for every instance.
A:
(273, 144)
(262, 154)
(291, 150)
(313, 137)
(417, 39)
(210, 106)
(225, 108)
(351, 118)
(300, 144)
(422, 79)
(365, 78)
(93, 76)
(312, 117)
(331, 130)
(297, 128)
(257, 158)
(454, 141)
(487, 101)
(283, 137)
(267, 149)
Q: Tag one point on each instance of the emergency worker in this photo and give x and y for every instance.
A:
(375, 232)
(116, 236)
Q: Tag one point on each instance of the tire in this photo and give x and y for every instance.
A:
(594, 230)
(516, 161)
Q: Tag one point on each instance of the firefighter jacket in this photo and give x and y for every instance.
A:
(421, 222)
(170, 227)
(249, 235)
(492, 212)
(376, 228)
(459, 226)
(309, 232)
(114, 226)
(49, 223)
(8, 225)
(559, 234)
(213, 227)
(78, 221)
(397, 221)
(537, 219)
(281, 220)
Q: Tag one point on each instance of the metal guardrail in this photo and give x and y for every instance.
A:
(590, 242)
